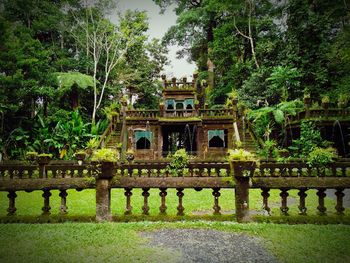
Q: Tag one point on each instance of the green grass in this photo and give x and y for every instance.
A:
(198, 204)
(120, 242)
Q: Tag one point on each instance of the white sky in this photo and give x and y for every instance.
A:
(158, 25)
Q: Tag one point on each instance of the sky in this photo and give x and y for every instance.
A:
(158, 25)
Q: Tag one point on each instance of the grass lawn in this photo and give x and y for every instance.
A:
(120, 242)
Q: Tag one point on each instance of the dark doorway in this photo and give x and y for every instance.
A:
(143, 143)
(216, 141)
(179, 136)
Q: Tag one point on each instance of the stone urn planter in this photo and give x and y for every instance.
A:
(129, 157)
(31, 156)
(80, 156)
(44, 159)
(307, 101)
(239, 166)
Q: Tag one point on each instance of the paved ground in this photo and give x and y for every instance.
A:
(206, 246)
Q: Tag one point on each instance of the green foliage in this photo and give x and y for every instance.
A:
(325, 99)
(105, 154)
(343, 99)
(92, 143)
(67, 80)
(310, 138)
(320, 157)
(266, 118)
(179, 162)
(240, 155)
(269, 149)
(283, 80)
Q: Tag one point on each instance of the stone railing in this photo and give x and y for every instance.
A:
(142, 113)
(320, 113)
(242, 176)
(183, 113)
(216, 112)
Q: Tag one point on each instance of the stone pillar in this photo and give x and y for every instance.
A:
(242, 199)
(103, 192)
(307, 105)
(242, 189)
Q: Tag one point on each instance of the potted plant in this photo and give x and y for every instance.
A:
(325, 102)
(130, 155)
(31, 156)
(241, 159)
(106, 158)
(307, 99)
(91, 145)
(44, 158)
(80, 156)
(343, 100)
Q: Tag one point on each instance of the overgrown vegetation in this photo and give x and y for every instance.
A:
(62, 69)
(179, 162)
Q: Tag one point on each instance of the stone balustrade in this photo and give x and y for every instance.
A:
(242, 176)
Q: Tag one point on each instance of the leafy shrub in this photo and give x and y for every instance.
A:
(269, 149)
(105, 154)
(179, 162)
(320, 157)
(310, 138)
(240, 155)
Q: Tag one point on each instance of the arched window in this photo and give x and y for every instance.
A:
(179, 105)
(170, 104)
(143, 143)
(216, 138)
(143, 139)
(189, 104)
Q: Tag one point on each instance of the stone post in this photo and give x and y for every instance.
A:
(173, 80)
(242, 189)
(103, 192)
(307, 105)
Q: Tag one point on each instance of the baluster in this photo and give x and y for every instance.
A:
(128, 194)
(20, 173)
(300, 171)
(80, 172)
(12, 203)
(162, 195)
(209, 171)
(149, 172)
(180, 208)
(30, 173)
(201, 171)
(339, 207)
(265, 194)
(343, 171)
(309, 172)
(139, 172)
(158, 172)
(302, 208)
(216, 207)
(284, 208)
(46, 208)
(145, 195)
(130, 171)
(262, 171)
(54, 173)
(334, 171)
(217, 170)
(63, 207)
(321, 195)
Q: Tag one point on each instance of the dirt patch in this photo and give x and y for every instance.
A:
(205, 246)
